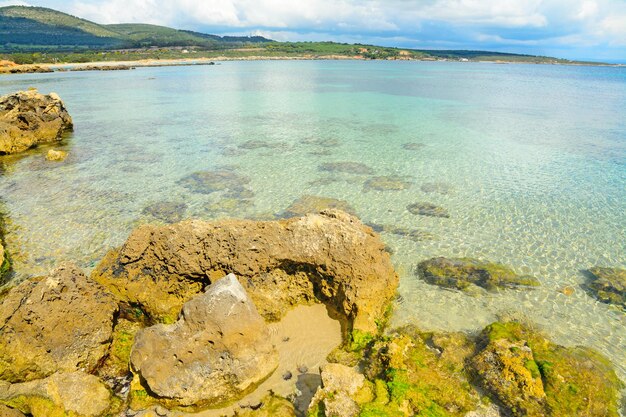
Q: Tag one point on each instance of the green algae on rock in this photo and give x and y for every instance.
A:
(576, 381)
(609, 285)
(462, 273)
(387, 183)
(308, 204)
(427, 209)
(357, 168)
(271, 406)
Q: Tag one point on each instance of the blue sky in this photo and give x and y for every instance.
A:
(574, 29)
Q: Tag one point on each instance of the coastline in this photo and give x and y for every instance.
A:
(147, 63)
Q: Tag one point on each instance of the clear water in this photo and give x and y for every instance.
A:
(533, 159)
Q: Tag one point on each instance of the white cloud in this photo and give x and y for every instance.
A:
(13, 3)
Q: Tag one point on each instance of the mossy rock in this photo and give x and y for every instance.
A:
(411, 378)
(577, 381)
(117, 361)
(608, 285)
(462, 273)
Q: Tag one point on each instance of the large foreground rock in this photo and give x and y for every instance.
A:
(62, 322)
(609, 285)
(330, 256)
(218, 350)
(462, 273)
(73, 394)
(28, 118)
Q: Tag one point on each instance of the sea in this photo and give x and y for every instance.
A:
(524, 165)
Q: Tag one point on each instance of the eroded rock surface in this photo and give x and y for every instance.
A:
(62, 322)
(330, 256)
(28, 118)
(217, 351)
(342, 391)
(75, 394)
(462, 273)
(609, 285)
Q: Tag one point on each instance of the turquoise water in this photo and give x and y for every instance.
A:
(529, 161)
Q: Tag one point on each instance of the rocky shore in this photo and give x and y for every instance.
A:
(184, 318)
(177, 319)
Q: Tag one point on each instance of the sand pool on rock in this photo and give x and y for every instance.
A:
(529, 162)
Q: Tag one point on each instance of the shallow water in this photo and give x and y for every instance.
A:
(529, 161)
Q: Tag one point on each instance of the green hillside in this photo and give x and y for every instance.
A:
(144, 35)
(41, 28)
(38, 35)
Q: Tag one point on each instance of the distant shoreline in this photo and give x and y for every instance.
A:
(146, 63)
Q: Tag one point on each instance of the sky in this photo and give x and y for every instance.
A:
(572, 29)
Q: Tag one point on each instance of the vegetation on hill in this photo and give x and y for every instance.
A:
(35, 35)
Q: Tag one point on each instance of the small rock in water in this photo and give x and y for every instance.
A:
(303, 369)
(413, 146)
(347, 167)
(437, 187)
(387, 183)
(428, 209)
(287, 375)
(461, 273)
(314, 204)
(166, 211)
(608, 285)
(54, 155)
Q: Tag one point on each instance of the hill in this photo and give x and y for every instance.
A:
(32, 35)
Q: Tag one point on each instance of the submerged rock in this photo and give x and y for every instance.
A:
(218, 350)
(271, 406)
(323, 142)
(413, 234)
(461, 273)
(413, 146)
(532, 376)
(330, 256)
(28, 118)
(347, 167)
(437, 187)
(166, 211)
(75, 394)
(427, 209)
(308, 204)
(609, 285)
(207, 182)
(388, 183)
(62, 322)
(56, 156)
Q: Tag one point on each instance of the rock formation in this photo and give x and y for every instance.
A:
(609, 285)
(462, 273)
(217, 351)
(28, 118)
(62, 322)
(330, 256)
(75, 394)
(54, 155)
